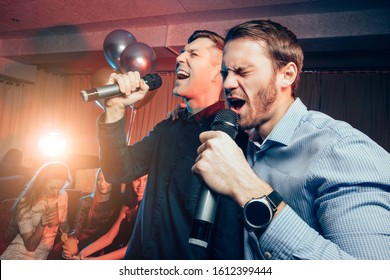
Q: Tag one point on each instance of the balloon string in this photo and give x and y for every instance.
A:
(131, 123)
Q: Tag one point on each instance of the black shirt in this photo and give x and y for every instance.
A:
(165, 216)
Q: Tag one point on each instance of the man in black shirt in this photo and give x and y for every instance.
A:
(167, 154)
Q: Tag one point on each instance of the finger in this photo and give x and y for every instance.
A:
(200, 150)
(143, 85)
(133, 81)
(137, 76)
(122, 81)
(207, 135)
(111, 79)
(65, 256)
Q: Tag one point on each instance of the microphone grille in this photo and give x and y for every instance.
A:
(227, 121)
(153, 80)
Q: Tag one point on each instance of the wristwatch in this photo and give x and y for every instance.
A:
(258, 212)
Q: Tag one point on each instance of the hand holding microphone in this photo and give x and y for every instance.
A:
(226, 121)
(126, 82)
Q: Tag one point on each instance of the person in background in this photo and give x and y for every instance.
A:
(39, 214)
(113, 244)
(311, 187)
(167, 154)
(11, 165)
(95, 215)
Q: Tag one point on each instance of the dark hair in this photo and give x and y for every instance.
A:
(13, 156)
(280, 43)
(218, 40)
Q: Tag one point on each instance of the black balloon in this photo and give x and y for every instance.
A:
(138, 57)
(114, 44)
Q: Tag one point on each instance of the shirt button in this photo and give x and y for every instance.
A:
(267, 255)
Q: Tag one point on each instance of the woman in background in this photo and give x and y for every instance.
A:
(113, 244)
(97, 211)
(95, 215)
(39, 213)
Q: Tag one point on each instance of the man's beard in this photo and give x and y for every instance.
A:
(259, 111)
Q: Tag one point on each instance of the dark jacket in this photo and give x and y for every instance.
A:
(165, 216)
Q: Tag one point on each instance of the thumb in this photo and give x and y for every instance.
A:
(207, 135)
(143, 86)
(111, 79)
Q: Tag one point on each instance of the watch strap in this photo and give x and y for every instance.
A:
(275, 199)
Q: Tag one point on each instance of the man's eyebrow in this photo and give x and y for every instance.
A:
(234, 68)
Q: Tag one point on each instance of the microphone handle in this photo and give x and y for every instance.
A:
(226, 121)
(204, 217)
(152, 80)
(207, 203)
(100, 93)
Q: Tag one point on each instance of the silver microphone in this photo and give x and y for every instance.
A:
(153, 80)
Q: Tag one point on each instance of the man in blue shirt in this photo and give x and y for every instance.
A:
(311, 187)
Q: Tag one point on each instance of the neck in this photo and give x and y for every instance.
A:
(280, 106)
(104, 197)
(195, 106)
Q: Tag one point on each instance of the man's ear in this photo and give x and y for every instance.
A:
(288, 74)
(217, 76)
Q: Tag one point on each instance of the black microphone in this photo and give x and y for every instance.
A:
(226, 121)
(153, 80)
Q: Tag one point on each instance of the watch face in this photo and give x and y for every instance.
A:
(258, 214)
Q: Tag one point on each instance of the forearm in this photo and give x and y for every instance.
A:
(120, 162)
(115, 255)
(99, 244)
(113, 149)
(32, 241)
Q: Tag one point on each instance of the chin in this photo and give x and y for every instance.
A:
(177, 92)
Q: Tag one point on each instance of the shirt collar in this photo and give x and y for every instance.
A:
(205, 113)
(284, 129)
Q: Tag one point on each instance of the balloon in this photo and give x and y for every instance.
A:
(138, 57)
(114, 44)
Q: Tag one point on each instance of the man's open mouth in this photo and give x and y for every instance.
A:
(182, 75)
(236, 103)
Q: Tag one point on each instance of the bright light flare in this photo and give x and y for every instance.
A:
(53, 145)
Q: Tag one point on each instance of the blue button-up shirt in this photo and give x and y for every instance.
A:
(336, 183)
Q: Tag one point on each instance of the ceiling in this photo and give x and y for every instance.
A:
(66, 36)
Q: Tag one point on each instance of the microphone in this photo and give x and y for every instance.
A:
(226, 121)
(153, 80)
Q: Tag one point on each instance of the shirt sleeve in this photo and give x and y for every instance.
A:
(26, 223)
(290, 238)
(352, 208)
(82, 214)
(122, 163)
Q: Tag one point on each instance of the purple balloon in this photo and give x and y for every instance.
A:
(138, 57)
(114, 44)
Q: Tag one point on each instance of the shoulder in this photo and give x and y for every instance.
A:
(86, 200)
(88, 197)
(162, 124)
(330, 129)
